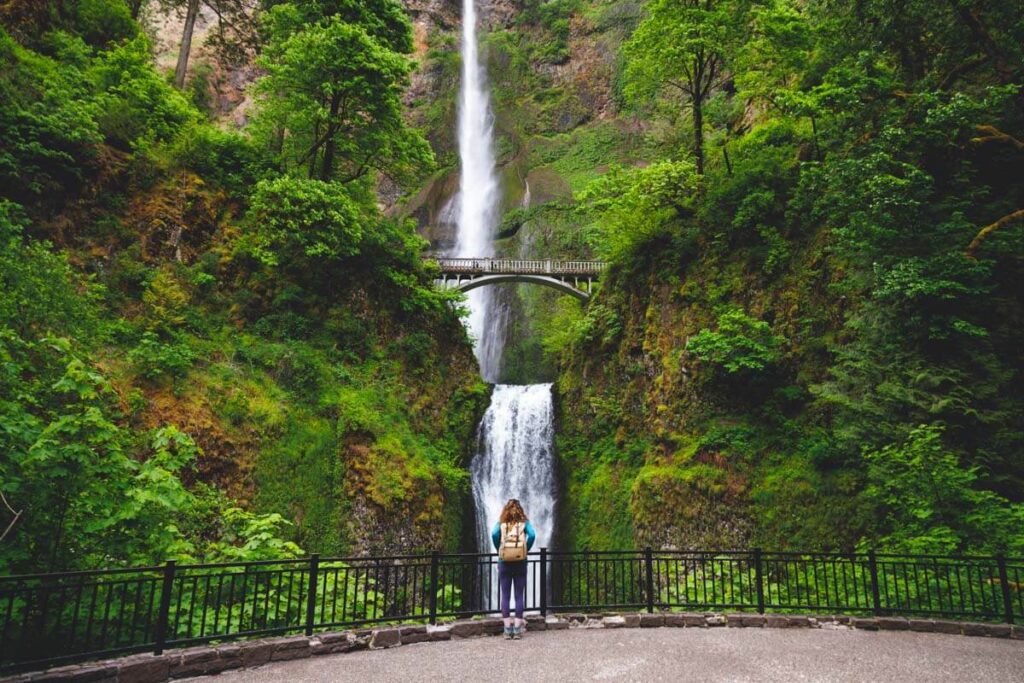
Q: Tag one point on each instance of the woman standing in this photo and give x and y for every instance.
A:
(513, 536)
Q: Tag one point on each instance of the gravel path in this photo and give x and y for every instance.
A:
(668, 654)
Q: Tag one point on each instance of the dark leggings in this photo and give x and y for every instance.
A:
(509, 573)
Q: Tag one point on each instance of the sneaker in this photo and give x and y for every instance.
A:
(509, 631)
(517, 632)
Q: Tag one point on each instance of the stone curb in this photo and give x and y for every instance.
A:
(197, 661)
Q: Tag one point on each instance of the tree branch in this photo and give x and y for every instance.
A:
(993, 134)
(984, 233)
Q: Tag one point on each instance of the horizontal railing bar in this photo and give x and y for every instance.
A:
(75, 574)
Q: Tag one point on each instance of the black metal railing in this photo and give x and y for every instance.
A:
(55, 618)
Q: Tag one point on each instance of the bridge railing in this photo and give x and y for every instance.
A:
(484, 266)
(56, 618)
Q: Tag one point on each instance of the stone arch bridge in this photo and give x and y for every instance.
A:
(575, 278)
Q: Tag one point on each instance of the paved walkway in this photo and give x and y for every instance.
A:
(668, 654)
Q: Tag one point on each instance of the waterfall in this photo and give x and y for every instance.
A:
(515, 459)
(478, 194)
(514, 456)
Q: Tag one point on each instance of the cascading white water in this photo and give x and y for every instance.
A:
(514, 457)
(478, 192)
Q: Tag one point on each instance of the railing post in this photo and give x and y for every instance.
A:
(543, 581)
(649, 575)
(433, 587)
(163, 616)
(876, 601)
(1004, 582)
(314, 569)
(759, 578)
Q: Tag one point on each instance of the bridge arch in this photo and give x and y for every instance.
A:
(575, 278)
(546, 280)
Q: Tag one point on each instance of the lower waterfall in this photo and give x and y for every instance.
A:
(515, 459)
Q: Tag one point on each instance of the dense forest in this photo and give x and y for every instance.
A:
(219, 338)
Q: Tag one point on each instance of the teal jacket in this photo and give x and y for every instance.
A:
(531, 536)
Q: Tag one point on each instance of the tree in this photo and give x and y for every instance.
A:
(333, 93)
(685, 46)
(928, 502)
(233, 18)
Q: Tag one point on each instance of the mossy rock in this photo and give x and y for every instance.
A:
(547, 185)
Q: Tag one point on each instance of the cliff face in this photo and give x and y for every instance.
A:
(557, 125)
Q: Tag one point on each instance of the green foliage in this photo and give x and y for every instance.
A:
(232, 160)
(41, 293)
(100, 22)
(47, 121)
(153, 358)
(632, 207)
(740, 343)
(94, 494)
(333, 92)
(298, 220)
(135, 104)
(927, 501)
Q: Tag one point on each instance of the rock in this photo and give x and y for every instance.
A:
(385, 637)
(331, 643)
(193, 662)
(555, 624)
(922, 625)
(752, 620)
(228, 657)
(786, 621)
(291, 648)
(476, 627)
(715, 620)
(414, 634)
(971, 628)
(632, 620)
(693, 619)
(143, 669)
(613, 622)
(892, 623)
(435, 633)
(943, 626)
(652, 620)
(999, 630)
(675, 619)
(536, 622)
(1017, 632)
(575, 617)
(257, 652)
(89, 673)
(493, 627)
(864, 623)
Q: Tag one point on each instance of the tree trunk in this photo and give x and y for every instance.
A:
(135, 7)
(186, 43)
(327, 170)
(698, 134)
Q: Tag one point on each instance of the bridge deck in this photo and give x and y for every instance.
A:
(494, 266)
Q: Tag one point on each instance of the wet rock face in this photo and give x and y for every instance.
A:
(442, 14)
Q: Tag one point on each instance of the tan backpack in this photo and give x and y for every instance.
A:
(513, 543)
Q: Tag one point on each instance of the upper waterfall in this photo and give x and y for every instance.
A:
(478, 196)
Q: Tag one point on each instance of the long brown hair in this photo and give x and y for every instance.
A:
(512, 512)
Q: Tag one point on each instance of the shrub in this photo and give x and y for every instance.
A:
(154, 359)
(740, 343)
